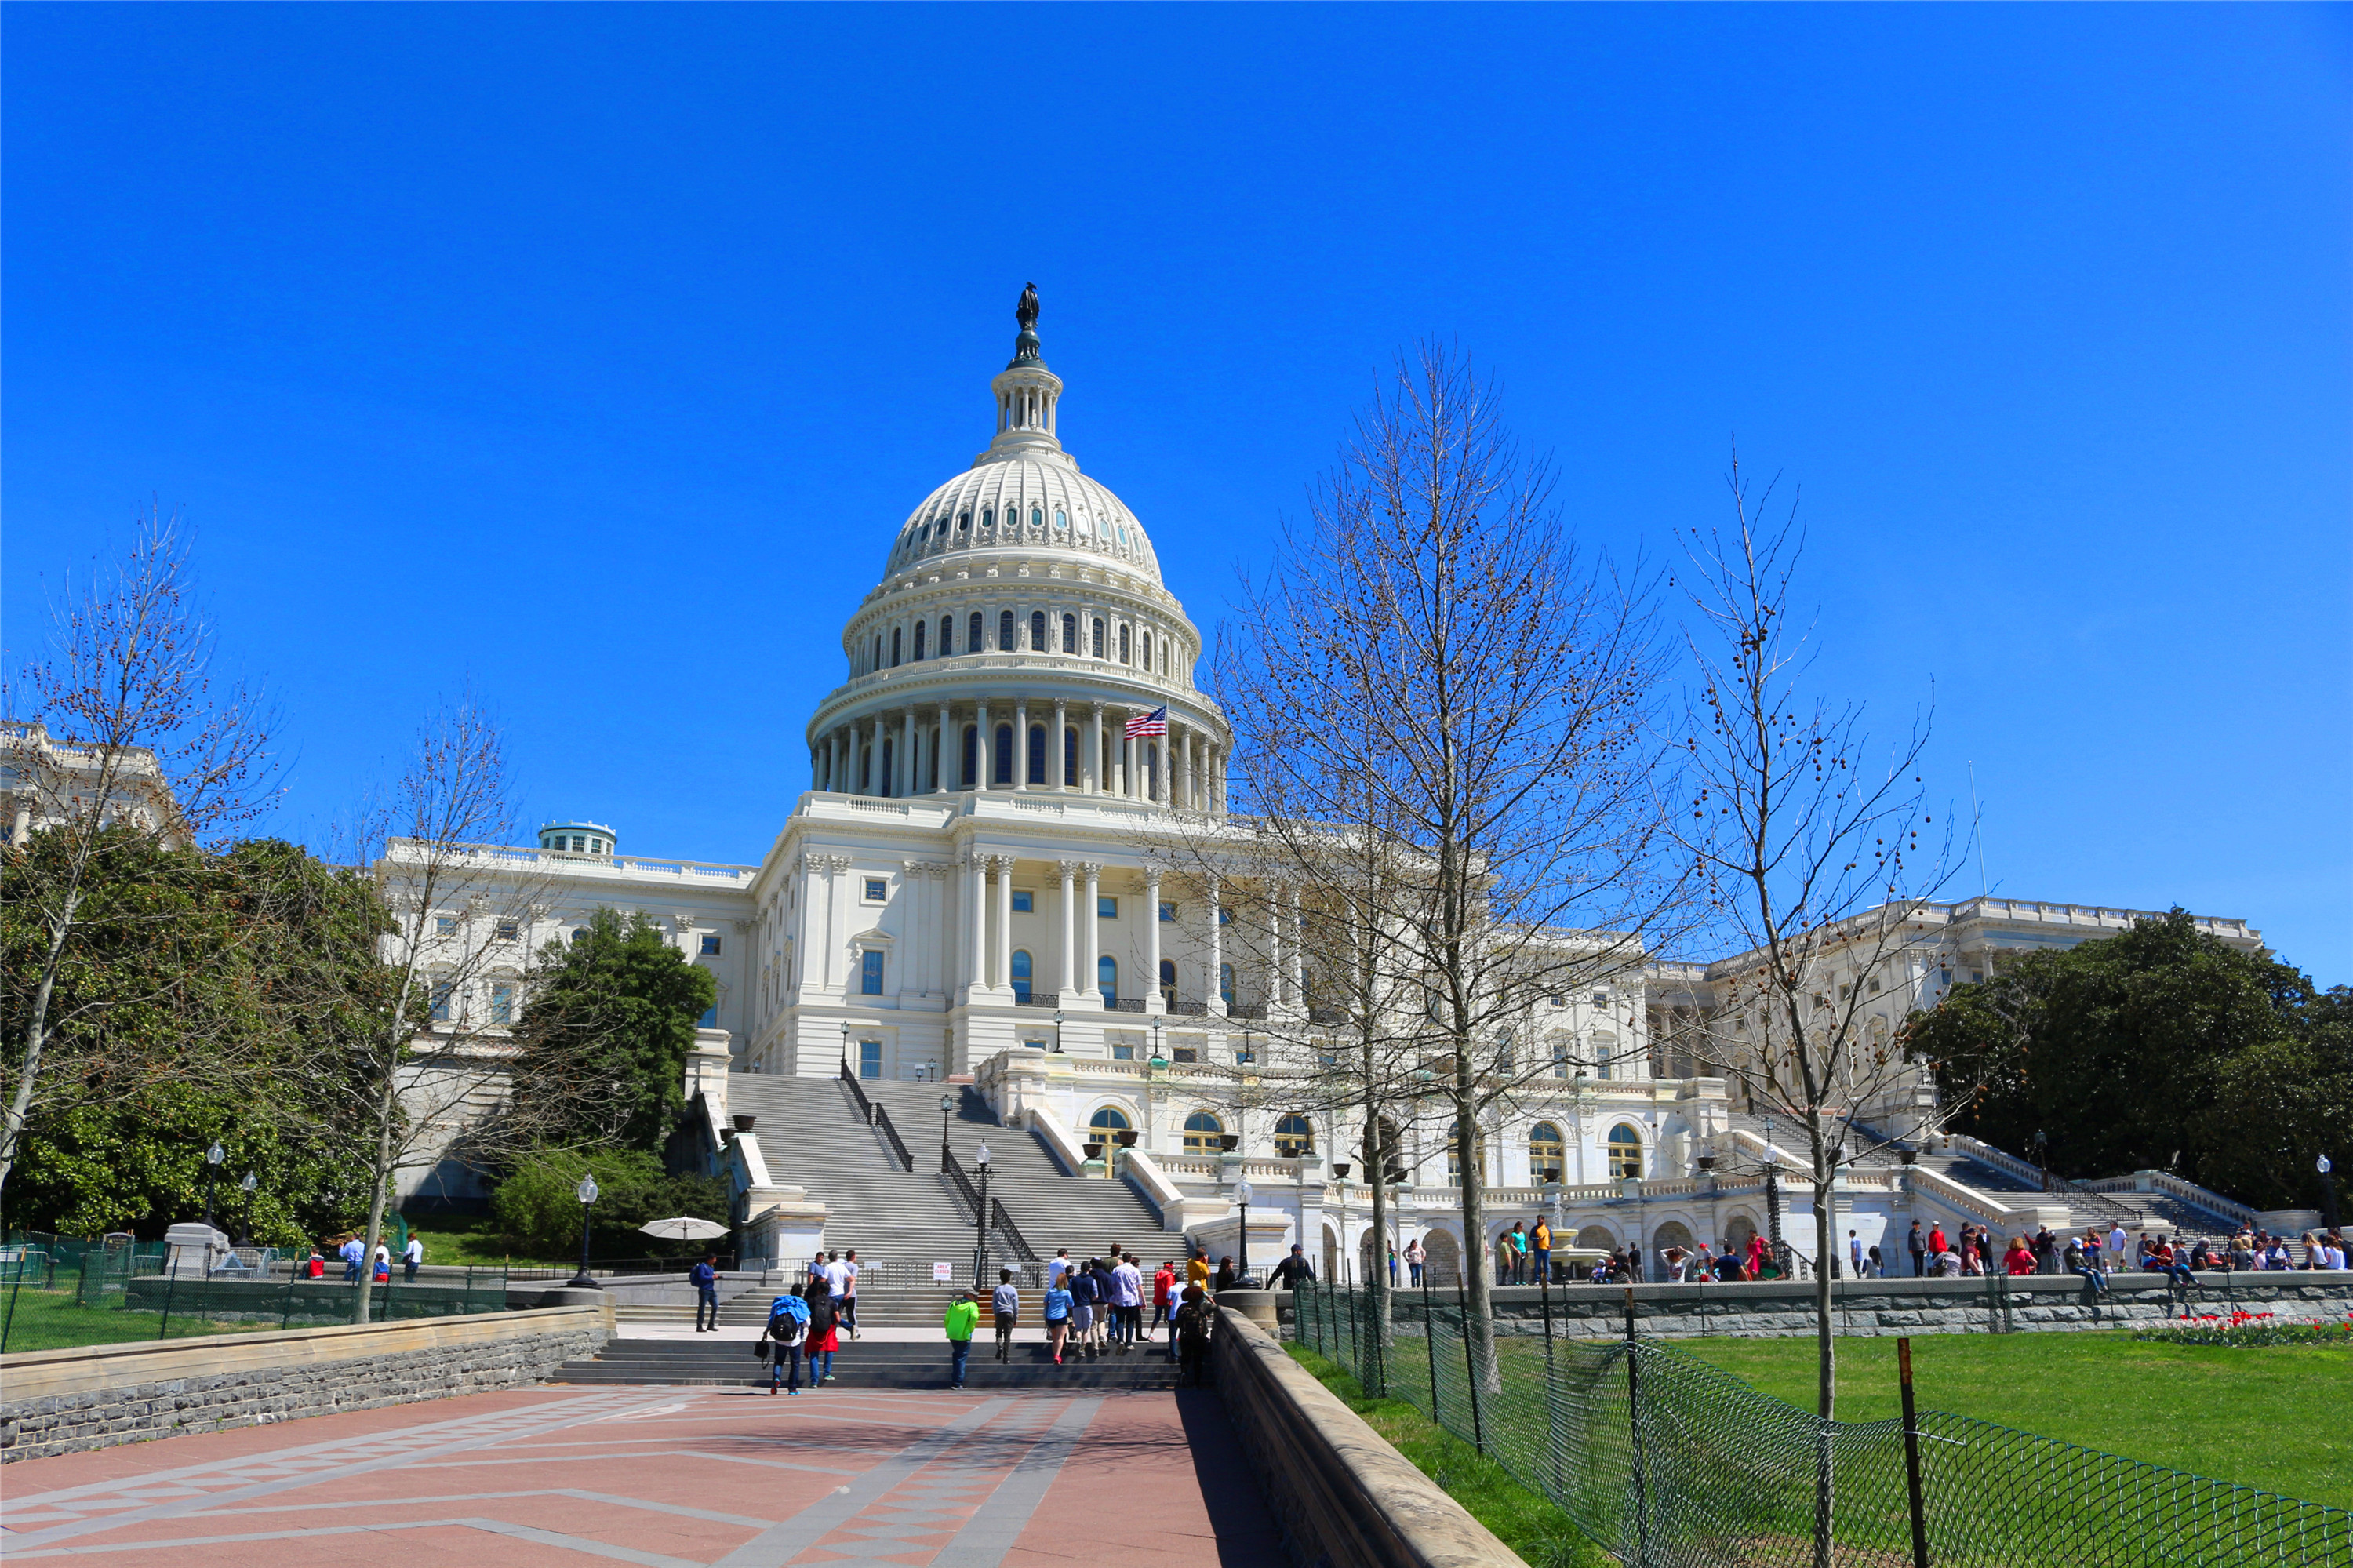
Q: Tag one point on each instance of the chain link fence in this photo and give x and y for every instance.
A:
(62, 1292)
(1668, 1462)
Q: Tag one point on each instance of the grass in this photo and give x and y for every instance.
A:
(1526, 1521)
(2272, 1417)
(53, 1320)
(462, 1241)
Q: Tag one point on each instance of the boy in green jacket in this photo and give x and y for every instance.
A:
(963, 1317)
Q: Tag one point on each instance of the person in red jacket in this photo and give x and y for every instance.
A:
(1164, 1302)
(1938, 1245)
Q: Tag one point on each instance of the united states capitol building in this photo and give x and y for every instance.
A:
(973, 889)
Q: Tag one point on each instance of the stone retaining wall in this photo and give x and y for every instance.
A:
(2033, 1303)
(1344, 1496)
(60, 1401)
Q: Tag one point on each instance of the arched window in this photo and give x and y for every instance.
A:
(1021, 967)
(1625, 1153)
(1038, 630)
(1225, 983)
(1004, 632)
(1003, 770)
(1545, 1152)
(1109, 1119)
(1070, 634)
(877, 664)
(1169, 984)
(964, 519)
(1107, 979)
(918, 642)
(895, 647)
(1293, 1136)
(947, 635)
(888, 775)
(1202, 1131)
(1060, 520)
(1036, 518)
(1098, 641)
(1036, 753)
(972, 640)
(1070, 757)
(1126, 646)
(865, 769)
(971, 756)
(988, 516)
(1146, 660)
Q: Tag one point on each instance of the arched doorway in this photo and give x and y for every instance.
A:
(1738, 1232)
(1331, 1268)
(1598, 1237)
(1445, 1265)
(1674, 1232)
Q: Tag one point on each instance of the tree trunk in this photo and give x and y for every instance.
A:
(37, 1038)
(1826, 1346)
(388, 1109)
(1478, 1325)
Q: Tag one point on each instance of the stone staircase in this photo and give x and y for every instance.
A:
(867, 1363)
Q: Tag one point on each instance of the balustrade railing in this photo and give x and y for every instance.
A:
(1002, 1223)
(955, 1173)
(865, 1106)
(898, 1144)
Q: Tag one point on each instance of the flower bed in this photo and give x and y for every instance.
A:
(2250, 1329)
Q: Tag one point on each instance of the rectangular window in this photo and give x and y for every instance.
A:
(870, 1059)
(1167, 914)
(1244, 1055)
(870, 974)
(877, 889)
(1122, 1052)
(445, 925)
(1224, 917)
(1188, 1054)
(502, 1004)
(1106, 907)
(1600, 999)
(504, 931)
(710, 1019)
(710, 946)
(443, 993)
(1024, 901)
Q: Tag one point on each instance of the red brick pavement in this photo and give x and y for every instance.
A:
(667, 1479)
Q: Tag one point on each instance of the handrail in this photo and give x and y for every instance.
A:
(865, 1106)
(954, 1168)
(1002, 1223)
(898, 1144)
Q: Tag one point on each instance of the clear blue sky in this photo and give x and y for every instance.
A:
(593, 355)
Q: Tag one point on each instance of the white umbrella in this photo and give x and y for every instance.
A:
(683, 1228)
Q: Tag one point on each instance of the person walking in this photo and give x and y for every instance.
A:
(412, 1259)
(1539, 1243)
(704, 1278)
(1056, 1308)
(1291, 1270)
(845, 1297)
(1229, 1276)
(1058, 1266)
(354, 1251)
(1917, 1245)
(1393, 1264)
(782, 1339)
(1196, 1267)
(1854, 1255)
(823, 1338)
(1086, 1297)
(1193, 1321)
(2113, 1256)
(1127, 1295)
(962, 1318)
(1164, 1298)
(1005, 1301)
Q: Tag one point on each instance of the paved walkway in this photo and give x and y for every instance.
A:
(669, 1479)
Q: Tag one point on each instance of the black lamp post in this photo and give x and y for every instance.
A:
(1773, 1203)
(2328, 1194)
(1242, 1196)
(980, 1237)
(248, 1185)
(587, 1193)
(213, 1158)
(948, 1107)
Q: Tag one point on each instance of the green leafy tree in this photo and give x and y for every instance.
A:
(619, 1005)
(2161, 1048)
(537, 1206)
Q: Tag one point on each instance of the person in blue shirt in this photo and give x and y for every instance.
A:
(1086, 1295)
(1058, 1316)
(704, 1278)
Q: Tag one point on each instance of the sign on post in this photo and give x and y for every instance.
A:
(943, 1274)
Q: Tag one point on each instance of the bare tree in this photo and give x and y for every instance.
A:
(1812, 848)
(129, 742)
(425, 1065)
(1433, 667)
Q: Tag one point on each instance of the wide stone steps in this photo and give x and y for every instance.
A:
(867, 1364)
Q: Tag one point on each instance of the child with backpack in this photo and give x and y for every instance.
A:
(781, 1340)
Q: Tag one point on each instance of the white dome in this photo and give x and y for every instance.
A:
(1025, 503)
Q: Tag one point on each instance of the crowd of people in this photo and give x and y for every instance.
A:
(2096, 1257)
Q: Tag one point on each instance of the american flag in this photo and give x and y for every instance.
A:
(1153, 723)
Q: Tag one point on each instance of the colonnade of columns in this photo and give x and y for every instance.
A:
(921, 750)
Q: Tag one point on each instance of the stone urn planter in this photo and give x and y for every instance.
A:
(1093, 1150)
(1126, 1137)
(742, 1122)
(1229, 1142)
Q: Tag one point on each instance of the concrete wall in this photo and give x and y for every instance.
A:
(1344, 1496)
(2034, 1303)
(60, 1401)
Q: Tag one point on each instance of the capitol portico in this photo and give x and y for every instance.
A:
(980, 884)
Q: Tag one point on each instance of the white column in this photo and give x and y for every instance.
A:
(908, 776)
(985, 745)
(975, 879)
(1123, 752)
(1217, 760)
(1003, 978)
(1216, 946)
(878, 782)
(1093, 926)
(946, 752)
(1277, 993)
(1153, 999)
(1067, 982)
(1298, 953)
(1021, 743)
(1091, 765)
(1057, 768)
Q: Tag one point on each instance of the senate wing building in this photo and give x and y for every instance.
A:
(969, 915)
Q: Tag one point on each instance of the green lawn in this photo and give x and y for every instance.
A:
(53, 1320)
(470, 1240)
(2272, 1418)
(1526, 1521)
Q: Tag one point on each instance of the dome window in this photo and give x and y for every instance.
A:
(919, 640)
(987, 517)
(925, 531)
(1038, 630)
(1070, 634)
(947, 635)
(1061, 521)
(964, 519)
(1037, 517)
(1004, 632)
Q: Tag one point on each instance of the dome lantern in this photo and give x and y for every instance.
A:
(1027, 393)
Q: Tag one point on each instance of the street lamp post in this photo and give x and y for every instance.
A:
(1773, 1202)
(586, 1193)
(1242, 1196)
(2328, 1193)
(248, 1185)
(1340, 1180)
(948, 1107)
(213, 1158)
(980, 1240)
(1058, 1031)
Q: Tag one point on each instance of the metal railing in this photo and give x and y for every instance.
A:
(898, 1144)
(1002, 1223)
(954, 1168)
(857, 1092)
